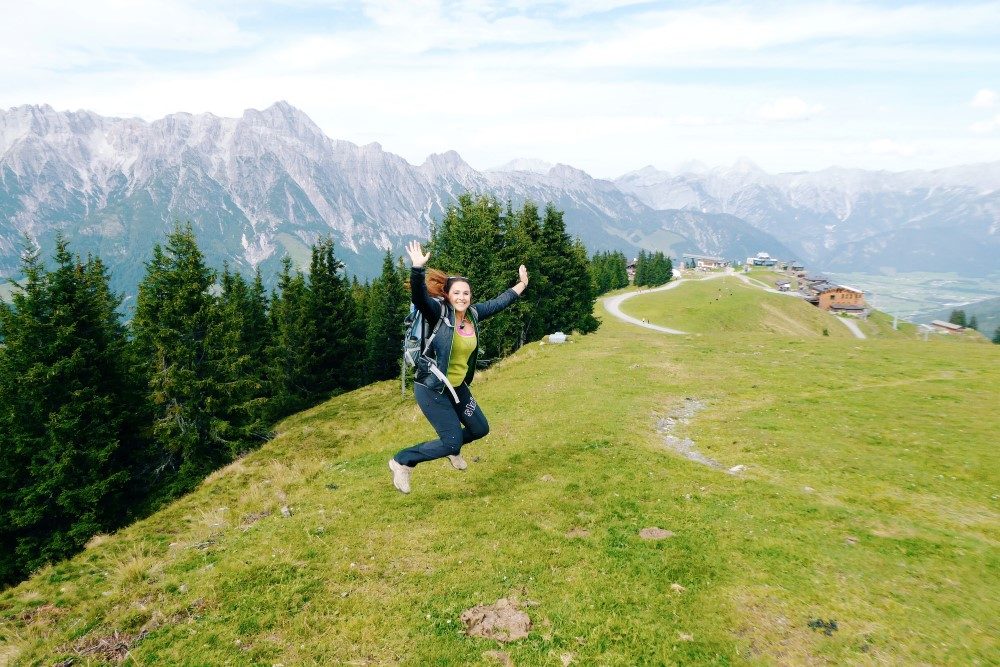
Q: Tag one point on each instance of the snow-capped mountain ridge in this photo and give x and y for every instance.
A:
(271, 182)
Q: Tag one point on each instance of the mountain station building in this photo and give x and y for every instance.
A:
(840, 298)
(762, 259)
(706, 262)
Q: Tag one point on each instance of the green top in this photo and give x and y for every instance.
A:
(462, 346)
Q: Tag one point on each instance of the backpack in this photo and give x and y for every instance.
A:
(415, 348)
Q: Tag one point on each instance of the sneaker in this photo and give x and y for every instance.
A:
(400, 475)
(457, 462)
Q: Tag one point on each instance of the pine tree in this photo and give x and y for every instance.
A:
(332, 347)
(185, 346)
(510, 328)
(996, 336)
(974, 323)
(583, 292)
(243, 341)
(957, 317)
(606, 273)
(526, 224)
(486, 242)
(66, 424)
(569, 298)
(657, 269)
(287, 356)
(642, 269)
(469, 242)
(620, 271)
(386, 306)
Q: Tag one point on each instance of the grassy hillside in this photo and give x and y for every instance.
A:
(730, 306)
(869, 498)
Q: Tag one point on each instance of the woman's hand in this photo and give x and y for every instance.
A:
(522, 274)
(417, 256)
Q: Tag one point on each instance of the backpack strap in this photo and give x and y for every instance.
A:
(437, 326)
(433, 365)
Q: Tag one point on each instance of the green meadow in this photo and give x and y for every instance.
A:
(863, 527)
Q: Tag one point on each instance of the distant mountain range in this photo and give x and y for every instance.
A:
(270, 183)
(850, 220)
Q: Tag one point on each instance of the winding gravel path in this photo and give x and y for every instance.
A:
(613, 303)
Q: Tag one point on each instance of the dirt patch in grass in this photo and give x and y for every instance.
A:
(770, 635)
(42, 614)
(578, 532)
(503, 621)
(251, 519)
(655, 533)
(115, 646)
(110, 648)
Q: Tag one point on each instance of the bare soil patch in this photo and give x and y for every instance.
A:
(111, 648)
(503, 621)
(655, 533)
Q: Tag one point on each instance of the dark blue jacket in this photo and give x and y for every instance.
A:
(440, 349)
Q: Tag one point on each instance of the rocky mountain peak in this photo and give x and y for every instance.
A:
(443, 164)
(565, 174)
(284, 119)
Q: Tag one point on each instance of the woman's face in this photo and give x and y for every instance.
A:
(459, 296)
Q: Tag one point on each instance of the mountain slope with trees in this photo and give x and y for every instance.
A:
(856, 530)
(104, 422)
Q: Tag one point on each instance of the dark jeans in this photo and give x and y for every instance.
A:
(448, 418)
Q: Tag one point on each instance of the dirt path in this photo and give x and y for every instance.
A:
(853, 326)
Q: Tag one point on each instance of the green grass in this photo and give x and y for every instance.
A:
(870, 497)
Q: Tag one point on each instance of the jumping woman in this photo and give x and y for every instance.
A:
(442, 379)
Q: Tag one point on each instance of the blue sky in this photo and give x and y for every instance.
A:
(605, 85)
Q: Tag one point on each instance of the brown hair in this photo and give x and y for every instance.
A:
(438, 283)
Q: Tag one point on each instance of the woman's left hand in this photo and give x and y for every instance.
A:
(522, 273)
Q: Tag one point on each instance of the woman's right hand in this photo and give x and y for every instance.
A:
(417, 256)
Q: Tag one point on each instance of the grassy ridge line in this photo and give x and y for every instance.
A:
(729, 305)
(891, 436)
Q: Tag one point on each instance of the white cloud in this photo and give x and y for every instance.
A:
(892, 148)
(986, 126)
(984, 99)
(788, 109)
(604, 85)
(741, 35)
(68, 36)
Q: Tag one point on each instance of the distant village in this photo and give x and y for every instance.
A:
(816, 289)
